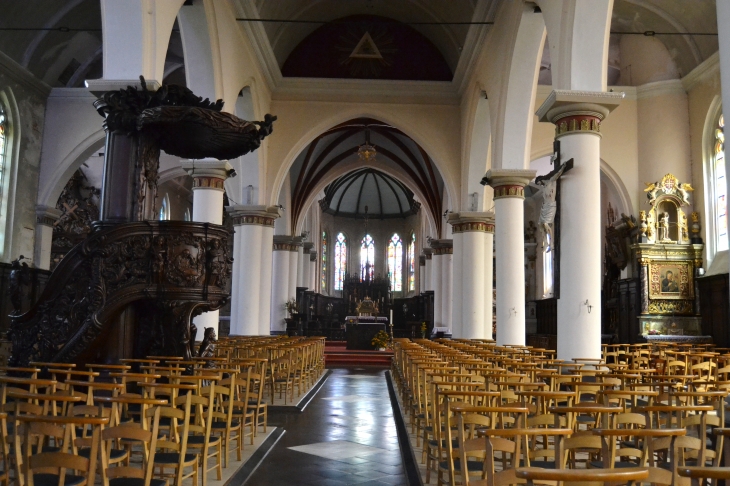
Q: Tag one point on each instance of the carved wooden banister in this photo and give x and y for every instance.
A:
(177, 268)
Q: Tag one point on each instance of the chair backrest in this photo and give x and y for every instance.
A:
(148, 438)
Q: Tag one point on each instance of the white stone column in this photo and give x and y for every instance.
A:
(447, 278)
(282, 245)
(267, 268)
(307, 247)
(457, 264)
(577, 116)
(428, 278)
(436, 284)
(46, 217)
(250, 292)
(208, 175)
(421, 274)
(296, 248)
(489, 279)
(509, 195)
(470, 286)
(313, 270)
(300, 267)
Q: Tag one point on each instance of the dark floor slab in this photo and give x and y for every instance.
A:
(346, 435)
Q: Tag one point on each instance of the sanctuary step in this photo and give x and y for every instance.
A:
(336, 354)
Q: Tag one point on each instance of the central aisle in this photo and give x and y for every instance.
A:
(346, 435)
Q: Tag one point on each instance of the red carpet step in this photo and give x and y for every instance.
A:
(337, 354)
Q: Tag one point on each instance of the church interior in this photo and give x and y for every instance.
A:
(364, 242)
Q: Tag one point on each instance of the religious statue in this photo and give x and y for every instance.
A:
(19, 278)
(549, 206)
(663, 227)
(207, 347)
(683, 229)
(191, 341)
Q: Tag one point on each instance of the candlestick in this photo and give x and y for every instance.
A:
(391, 315)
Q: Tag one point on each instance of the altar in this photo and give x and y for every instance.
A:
(361, 329)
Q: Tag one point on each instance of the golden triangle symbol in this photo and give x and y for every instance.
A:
(366, 49)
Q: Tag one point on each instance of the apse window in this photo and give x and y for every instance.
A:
(340, 260)
(395, 263)
(367, 258)
(4, 137)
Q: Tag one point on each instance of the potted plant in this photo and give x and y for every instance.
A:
(291, 306)
(380, 340)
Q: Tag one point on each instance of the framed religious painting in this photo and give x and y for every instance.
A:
(670, 280)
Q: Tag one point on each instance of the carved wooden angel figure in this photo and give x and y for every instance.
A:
(207, 347)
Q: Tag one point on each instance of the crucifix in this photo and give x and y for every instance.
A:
(549, 212)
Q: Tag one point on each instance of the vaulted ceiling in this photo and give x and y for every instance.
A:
(335, 152)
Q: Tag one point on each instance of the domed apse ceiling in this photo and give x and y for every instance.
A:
(367, 47)
(335, 152)
(368, 192)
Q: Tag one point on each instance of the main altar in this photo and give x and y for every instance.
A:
(361, 328)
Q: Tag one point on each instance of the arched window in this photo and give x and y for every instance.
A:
(323, 276)
(395, 263)
(340, 260)
(720, 186)
(4, 169)
(547, 269)
(412, 263)
(367, 258)
(165, 208)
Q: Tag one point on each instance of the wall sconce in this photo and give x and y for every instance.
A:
(588, 305)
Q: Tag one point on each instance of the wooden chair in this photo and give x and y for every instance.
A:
(127, 475)
(178, 458)
(200, 439)
(582, 476)
(227, 424)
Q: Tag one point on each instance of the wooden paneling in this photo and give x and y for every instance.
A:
(31, 292)
(629, 307)
(714, 295)
(547, 316)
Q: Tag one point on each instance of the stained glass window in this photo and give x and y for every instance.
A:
(340, 260)
(367, 258)
(412, 263)
(395, 263)
(165, 208)
(720, 186)
(323, 277)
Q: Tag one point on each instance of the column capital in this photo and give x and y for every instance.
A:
(46, 215)
(260, 215)
(428, 253)
(207, 173)
(307, 247)
(509, 182)
(285, 243)
(312, 256)
(472, 221)
(442, 247)
(578, 111)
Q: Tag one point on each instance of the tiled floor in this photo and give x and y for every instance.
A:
(346, 435)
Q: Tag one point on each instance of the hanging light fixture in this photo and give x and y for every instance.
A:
(366, 151)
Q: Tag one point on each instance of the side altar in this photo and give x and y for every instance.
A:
(668, 259)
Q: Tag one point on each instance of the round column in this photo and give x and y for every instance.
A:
(300, 267)
(209, 175)
(457, 296)
(436, 284)
(313, 270)
(46, 217)
(509, 195)
(295, 249)
(577, 118)
(489, 279)
(470, 295)
(266, 290)
(428, 278)
(447, 290)
(250, 292)
(421, 274)
(306, 265)
(280, 281)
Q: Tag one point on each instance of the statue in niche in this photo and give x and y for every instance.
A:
(663, 227)
(549, 206)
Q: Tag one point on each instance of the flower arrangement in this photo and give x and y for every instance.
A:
(380, 340)
(654, 332)
(291, 306)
